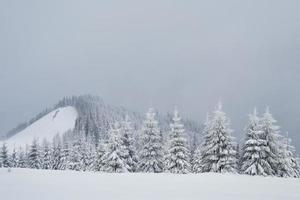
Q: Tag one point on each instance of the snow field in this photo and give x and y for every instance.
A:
(58, 121)
(25, 184)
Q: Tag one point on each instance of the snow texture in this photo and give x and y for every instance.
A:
(56, 122)
(29, 184)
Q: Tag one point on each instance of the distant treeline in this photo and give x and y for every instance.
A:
(148, 148)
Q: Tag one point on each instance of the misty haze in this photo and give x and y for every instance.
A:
(77, 71)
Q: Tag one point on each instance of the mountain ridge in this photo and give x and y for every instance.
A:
(96, 117)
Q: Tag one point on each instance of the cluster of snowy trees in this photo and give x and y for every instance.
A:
(124, 149)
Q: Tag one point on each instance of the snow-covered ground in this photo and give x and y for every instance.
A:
(23, 184)
(56, 122)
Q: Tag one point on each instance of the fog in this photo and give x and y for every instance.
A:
(137, 54)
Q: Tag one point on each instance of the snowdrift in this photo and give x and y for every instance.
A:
(49, 185)
(58, 121)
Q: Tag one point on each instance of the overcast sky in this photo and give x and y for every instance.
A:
(135, 54)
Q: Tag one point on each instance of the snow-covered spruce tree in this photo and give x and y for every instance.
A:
(178, 157)
(196, 156)
(129, 156)
(88, 154)
(46, 155)
(56, 153)
(253, 158)
(218, 151)
(114, 152)
(151, 153)
(270, 134)
(4, 157)
(75, 154)
(64, 155)
(14, 159)
(22, 159)
(34, 160)
(288, 165)
(99, 158)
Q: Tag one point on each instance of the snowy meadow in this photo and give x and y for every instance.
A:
(49, 185)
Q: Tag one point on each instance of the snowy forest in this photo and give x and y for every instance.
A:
(128, 145)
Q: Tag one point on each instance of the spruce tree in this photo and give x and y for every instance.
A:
(288, 167)
(151, 153)
(99, 158)
(178, 157)
(34, 160)
(218, 150)
(129, 156)
(75, 155)
(14, 159)
(46, 155)
(88, 155)
(270, 134)
(197, 157)
(22, 159)
(114, 152)
(253, 158)
(65, 156)
(56, 153)
(4, 157)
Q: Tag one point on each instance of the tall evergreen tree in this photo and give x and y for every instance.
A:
(271, 136)
(197, 156)
(288, 167)
(129, 156)
(65, 152)
(178, 157)
(46, 155)
(14, 159)
(99, 158)
(253, 159)
(151, 154)
(22, 159)
(56, 153)
(4, 157)
(75, 155)
(34, 160)
(88, 154)
(114, 152)
(218, 151)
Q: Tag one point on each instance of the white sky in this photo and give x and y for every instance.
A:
(187, 54)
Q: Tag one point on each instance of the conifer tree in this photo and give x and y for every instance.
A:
(178, 157)
(151, 153)
(270, 134)
(75, 155)
(253, 159)
(87, 155)
(65, 156)
(4, 157)
(197, 157)
(34, 160)
(14, 159)
(218, 151)
(99, 158)
(114, 152)
(22, 159)
(56, 153)
(288, 167)
(46, 155)
(129, 156)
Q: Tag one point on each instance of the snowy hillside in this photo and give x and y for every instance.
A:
(40, 184)
(56, 122)
(94, 117)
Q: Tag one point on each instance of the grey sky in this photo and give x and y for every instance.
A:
(162, 53)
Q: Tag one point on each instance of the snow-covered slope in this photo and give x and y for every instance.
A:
(56, 122)
(60, 185)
